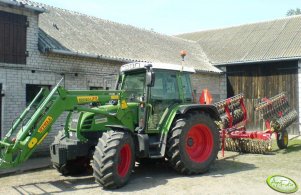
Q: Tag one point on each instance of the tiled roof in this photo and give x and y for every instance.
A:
(30, 5)
(78, 33)
(263, 41)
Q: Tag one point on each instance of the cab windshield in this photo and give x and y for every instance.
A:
(134, 86)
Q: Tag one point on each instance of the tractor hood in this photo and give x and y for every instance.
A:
(88, 121)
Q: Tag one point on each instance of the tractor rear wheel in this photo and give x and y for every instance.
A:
(193, 143)
(113, 159)
(282, 139)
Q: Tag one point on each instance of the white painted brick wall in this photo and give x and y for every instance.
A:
(202, 81)
(299, 92)
(223, 83)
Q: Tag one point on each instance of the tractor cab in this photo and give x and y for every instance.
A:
(156, 88)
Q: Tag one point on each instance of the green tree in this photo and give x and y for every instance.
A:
(292, 12)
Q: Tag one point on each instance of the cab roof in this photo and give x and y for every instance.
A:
(163, 66)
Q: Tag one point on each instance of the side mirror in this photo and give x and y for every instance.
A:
(150, 79)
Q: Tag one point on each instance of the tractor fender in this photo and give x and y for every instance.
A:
(206, 108)
(182, 110)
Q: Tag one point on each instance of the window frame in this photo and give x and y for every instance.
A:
(13, 38)
(164, 81)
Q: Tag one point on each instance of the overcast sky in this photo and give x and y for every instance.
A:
(179, 16)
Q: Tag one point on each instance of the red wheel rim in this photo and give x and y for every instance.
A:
(199, 143)
(125, 157)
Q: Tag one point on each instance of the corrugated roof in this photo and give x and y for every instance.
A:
(263, 41)
(29, 5)
(78, 33)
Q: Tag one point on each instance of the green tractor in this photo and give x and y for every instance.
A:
(150, 115)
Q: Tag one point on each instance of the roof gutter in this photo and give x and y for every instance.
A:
(103, 57)
(85, 55)
(256, 61)
(22, 5)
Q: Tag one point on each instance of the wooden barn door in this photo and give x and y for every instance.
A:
(263, 80)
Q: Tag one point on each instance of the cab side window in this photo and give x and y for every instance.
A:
(166, 86)
(186, 87)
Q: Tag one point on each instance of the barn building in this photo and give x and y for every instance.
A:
(260, 60)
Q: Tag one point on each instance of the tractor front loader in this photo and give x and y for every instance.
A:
(49, 106)
(150, 115)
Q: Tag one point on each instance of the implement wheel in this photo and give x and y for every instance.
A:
(282, 139)
(193, 143)
(113, 159)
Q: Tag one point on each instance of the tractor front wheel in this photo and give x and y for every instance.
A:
(193, 143)
(113, 159)
(282, 139)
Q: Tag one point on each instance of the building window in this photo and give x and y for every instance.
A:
(12, 38)
(32, 91)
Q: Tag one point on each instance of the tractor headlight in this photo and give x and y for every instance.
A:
(74, 120)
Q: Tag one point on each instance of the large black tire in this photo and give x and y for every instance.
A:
(193, 143)
(282, 139)
(72, 167)
(113, 159)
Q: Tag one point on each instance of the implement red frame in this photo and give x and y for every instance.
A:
(238, 131)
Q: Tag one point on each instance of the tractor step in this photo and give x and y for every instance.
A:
(155, 154)
(154, 144)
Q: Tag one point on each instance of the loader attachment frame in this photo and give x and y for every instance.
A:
(49, 107)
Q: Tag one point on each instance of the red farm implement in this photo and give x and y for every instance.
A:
(277, 116)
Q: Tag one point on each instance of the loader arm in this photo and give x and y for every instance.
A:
(14, 151)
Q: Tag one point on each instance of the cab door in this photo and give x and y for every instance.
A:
(163, 95)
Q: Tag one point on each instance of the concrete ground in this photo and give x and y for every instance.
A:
(233, 174)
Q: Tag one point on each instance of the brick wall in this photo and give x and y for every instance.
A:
(223, 83)
(299, 93)
(213, 82)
